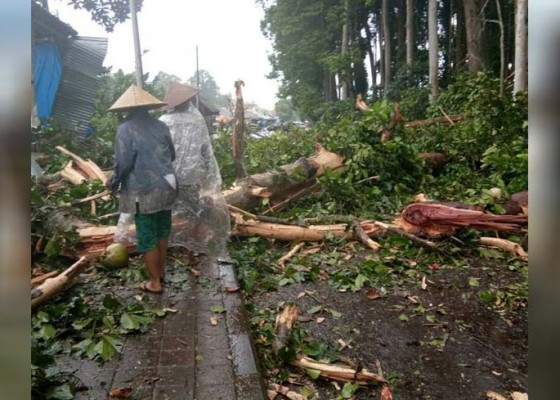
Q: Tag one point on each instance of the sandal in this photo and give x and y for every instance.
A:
(145, 286)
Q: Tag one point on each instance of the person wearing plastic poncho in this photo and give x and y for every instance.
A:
(200, 215)
(144, 154)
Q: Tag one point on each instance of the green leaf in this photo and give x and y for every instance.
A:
(335, 314)
(403, 317)
(47, 332)
(431, 318)
(474, 281)
(360, 280)
(81, 324)
(285, 281)
(128, 323)
(60, 392)
(348, 390)
(218, 309)
(110, 302)
(313, 373)
(307, 392)
(52, 249)
(487, 296)
(381, 270)
(108, 347)
(314, 310)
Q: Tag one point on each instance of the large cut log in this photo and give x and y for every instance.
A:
(54, 285)
(435, 219)
(247, 193)
(338, 372)
(290, 233)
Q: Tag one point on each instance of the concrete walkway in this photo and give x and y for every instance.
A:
(196, 352)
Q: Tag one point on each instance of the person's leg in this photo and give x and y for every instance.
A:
(164, 231)
(152, 261)
(146, 234)
(162, 247)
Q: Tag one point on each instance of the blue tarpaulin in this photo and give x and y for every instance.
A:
(47, 73)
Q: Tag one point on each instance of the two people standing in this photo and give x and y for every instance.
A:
(153, 187)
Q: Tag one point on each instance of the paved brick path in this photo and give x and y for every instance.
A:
(184, 356)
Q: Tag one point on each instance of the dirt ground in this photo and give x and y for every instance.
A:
(455, 346)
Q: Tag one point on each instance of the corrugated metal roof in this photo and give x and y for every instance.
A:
(81, 64)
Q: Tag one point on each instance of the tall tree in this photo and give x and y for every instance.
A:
(520, 80)
(410, 37)
(209, 88)
(387, 44)
(344, 76)
(433, 48)
(473, 25)
(107, 13)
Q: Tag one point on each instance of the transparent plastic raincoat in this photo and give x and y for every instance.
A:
(200, 214)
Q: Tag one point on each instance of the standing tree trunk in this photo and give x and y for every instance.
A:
(237, 139)
(371, 55)
(410, 37)
(381, 42)
(344, 51)
(387, 47)
(459, 36)
(520, 81)
(474, 35)
(433, 49)
(502, 48)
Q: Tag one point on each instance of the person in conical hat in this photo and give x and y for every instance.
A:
(200, 201)
(145, 179)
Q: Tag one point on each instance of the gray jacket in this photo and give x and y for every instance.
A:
(144, 154)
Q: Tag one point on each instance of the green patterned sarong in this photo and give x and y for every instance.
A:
(150, 228)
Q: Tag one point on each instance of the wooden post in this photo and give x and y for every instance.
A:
(137, 52)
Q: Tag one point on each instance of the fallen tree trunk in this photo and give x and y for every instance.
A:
(432, 121)
(338, 372)
(55, 285)
(434, 219)
(290, 233)
(247, 193)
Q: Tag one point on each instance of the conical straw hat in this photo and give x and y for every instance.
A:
(135, 97)
(177, 94)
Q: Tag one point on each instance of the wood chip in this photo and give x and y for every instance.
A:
(519, 396)
(494, 396)
(121, 393)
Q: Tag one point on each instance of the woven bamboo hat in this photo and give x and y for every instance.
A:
(135, 97)
(177, 94)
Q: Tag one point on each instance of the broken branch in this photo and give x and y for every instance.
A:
(506, 245)
(52, 286)
(363, 237)
(337, 372)
(290, 254)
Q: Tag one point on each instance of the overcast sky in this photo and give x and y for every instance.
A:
(228, 35)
